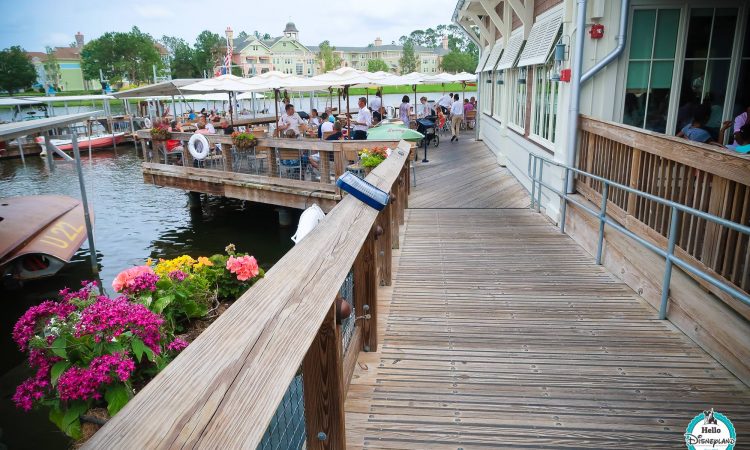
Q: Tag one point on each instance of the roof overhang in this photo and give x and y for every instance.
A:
(13, 130)
(168, 88)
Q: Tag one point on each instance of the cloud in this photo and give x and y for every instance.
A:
(153, 11)
(57, 39)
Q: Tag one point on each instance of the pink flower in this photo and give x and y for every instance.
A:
(177, 345)
(177, 275)
(79, 383)
(245, 267)
(127, 278)
(108, 318)
(35, 316)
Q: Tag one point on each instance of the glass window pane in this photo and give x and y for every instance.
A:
(668, 23)
(638, 75)
(634, 106)
(691, 91)
(661, 74)
(742, 99)
(643, 33)
(725, 22)
(746, 47)
(699, 31)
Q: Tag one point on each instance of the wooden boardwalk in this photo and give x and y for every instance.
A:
(499, 332)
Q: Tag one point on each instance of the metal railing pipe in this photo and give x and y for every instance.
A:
(674, 221)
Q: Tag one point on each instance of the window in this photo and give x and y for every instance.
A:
(742, 101)
(497, 89)
(300, 69)
(486, 94)
(651, 63)
(544, 103)
(517, 89)
(708, 52)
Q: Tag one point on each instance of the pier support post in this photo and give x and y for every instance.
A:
(194, 199)
(384, 246)
(285, 217)
(324, 388)
(366, 292)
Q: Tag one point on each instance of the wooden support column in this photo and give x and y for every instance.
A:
(713, 242)
(226, 151)
(324, 388)
(395, 206)
(144, 146)
(403, 195)
(366, 292)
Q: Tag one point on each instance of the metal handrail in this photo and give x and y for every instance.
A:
(536, 199)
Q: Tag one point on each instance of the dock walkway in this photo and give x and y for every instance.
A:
(500, 332)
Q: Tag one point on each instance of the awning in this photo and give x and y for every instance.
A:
(70, 98)
(12, 130)
(542, 37)
(483, 58)
(11, 101)
(168, 88)
(511, 51)
(494, 57)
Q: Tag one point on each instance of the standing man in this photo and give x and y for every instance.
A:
(457, 116)
(375, 105)
(445, 102)
(363, 121)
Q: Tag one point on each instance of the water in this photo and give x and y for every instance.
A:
(134, 221)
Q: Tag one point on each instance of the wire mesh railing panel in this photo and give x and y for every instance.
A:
(286, 431)
(347, 325)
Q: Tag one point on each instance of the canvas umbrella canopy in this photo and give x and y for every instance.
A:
(223, 83)
(343, 77)
(396, 132)
(463, 78)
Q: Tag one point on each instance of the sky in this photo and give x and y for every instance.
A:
(38, 23)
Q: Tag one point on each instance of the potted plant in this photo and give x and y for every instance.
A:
(159, 133)
(243, 140)
(369, 158)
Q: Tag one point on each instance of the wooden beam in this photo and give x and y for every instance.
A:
(366, 292)
(525, 11)
(324, 388)
(489, 8)
(483, 31)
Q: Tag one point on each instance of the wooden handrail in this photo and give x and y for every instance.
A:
(711, 158)
(222, 391)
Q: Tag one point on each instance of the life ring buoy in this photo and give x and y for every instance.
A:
(147, 123)
(201, 150)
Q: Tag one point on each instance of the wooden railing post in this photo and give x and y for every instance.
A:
(226, 150)
(384, 246)
(366, 292)
(324, 388)
(635, 173)
(395, 206)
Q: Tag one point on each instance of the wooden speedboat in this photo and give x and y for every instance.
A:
(97, 141)
(39, 235)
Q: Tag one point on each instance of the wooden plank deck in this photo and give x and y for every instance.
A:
(499, 332)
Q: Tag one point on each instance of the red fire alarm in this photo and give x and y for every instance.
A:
(597, 31)
(565, 75)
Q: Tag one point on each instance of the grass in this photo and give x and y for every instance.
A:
(447, 87)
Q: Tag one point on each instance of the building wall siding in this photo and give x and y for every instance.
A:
(541, 6)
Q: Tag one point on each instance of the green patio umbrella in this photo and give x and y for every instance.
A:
(393, 132)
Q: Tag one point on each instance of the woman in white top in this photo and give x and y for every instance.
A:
(403, 110)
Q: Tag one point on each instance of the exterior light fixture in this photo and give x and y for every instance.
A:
(522, 75)
(500, 74)
(559, 56)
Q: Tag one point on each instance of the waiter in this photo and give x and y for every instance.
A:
(363, 121)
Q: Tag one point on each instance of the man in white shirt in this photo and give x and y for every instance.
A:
(375, 104)
(290, 121)
(363, 121)
(457, 116)
(445, 102)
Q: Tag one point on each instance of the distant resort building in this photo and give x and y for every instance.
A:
(287, 54)
(71, 75)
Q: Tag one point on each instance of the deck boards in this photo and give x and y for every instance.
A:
(500, 332)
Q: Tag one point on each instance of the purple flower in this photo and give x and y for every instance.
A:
(26, 327)
(79, 383)
(142, 283)
(177, 275)
(108, 318)
(177, 345)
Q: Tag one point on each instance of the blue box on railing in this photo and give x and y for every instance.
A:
(363, 191)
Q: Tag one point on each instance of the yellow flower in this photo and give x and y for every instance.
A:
(202, 262)
(149, 262)
(183, 263)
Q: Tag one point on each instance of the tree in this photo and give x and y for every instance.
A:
(16, 70)
(209, 51)
(377, 65)
(408, 61)
(327, 56)
(456, 61)
(242, 36)
(121, 56)
(182, 57)
(52, 69)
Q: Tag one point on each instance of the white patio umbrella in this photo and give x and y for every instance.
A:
(463, 78)
(224, 83)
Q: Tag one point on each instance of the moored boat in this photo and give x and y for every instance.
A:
(39, 235)
(97, 141)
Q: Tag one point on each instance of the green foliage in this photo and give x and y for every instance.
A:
(432, 38)
(228, 286)
(457, 61)
(408, 61)
(182, 58)
(377, 65)
(52, 69)
(209, 49)
(121, 56)
(16, 70)
(326, 55)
